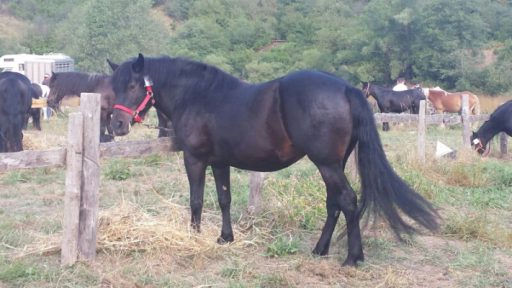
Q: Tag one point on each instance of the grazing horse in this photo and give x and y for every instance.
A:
(390, 101)
(499, 121)
(15, 101)
(443, 101)
(73, 83)
(222, 121)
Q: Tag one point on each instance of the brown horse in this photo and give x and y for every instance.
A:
(444, 101)
(74, 83)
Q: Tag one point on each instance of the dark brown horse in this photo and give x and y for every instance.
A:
(73, 83)
(221, 121)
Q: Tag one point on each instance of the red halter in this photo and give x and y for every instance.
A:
(148, 84)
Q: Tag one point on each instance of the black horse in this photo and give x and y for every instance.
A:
(221, 121)
(74, 83)
(499, 121)
(15, 101)
(390, 101)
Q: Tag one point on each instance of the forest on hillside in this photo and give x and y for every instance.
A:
(456, 44)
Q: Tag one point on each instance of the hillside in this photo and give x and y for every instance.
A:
(12, 28)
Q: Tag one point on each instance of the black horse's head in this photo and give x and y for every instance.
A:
(479, 145)
(133, 94)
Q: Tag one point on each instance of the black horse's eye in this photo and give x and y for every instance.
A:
(132, 86)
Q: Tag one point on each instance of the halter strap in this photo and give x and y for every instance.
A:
(479, 147)
(148, 84)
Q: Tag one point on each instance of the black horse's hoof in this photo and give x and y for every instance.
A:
(320, 252)
(196, 227)
(106, 138)
(225, 240)
(352, 262)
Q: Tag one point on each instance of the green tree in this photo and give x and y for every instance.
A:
(116, 29)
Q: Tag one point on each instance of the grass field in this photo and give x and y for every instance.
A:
(145, 239)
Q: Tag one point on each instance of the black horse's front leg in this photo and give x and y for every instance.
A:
(222, 183)
(196, 169)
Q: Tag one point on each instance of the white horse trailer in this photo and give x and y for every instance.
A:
(35, 66)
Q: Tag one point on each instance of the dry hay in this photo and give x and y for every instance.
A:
(129, 228)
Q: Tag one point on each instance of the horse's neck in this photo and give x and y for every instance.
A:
(488, 130)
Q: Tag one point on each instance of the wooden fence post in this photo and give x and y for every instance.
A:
(466, 124)
(89, 204)
(69, 245)
(422, 126)
(255, 185)
(503, 144)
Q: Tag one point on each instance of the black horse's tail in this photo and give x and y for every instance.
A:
(383, 191)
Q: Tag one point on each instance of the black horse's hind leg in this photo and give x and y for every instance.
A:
(340, 198)
(196, 169)
(222, 183)
(36, 118)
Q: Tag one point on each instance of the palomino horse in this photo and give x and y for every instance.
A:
(443, 101)
(222, 121)
(499, 121)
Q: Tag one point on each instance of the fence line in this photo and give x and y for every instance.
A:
(423, 120)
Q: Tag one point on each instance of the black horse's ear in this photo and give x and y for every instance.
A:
(138, 65)
(112, 65)
(54, 76)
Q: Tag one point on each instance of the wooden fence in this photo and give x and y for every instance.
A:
(81, 157)
(82, 154)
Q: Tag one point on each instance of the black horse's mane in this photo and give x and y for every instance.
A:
(74, 83)
(198, 77)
